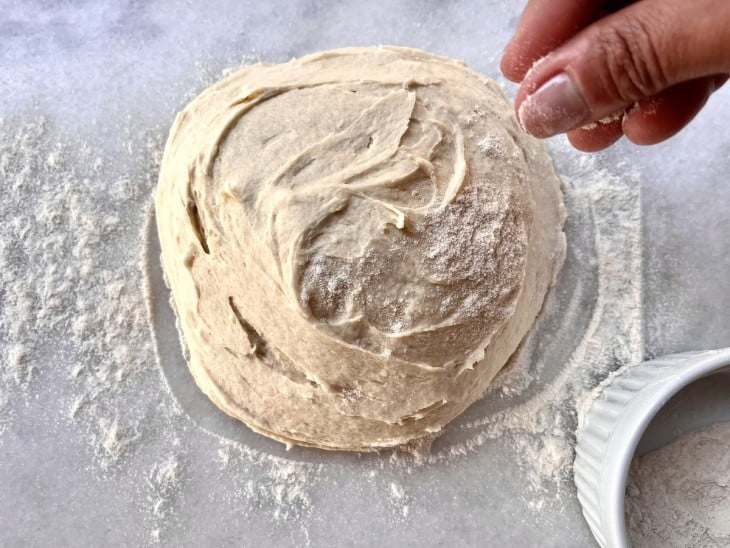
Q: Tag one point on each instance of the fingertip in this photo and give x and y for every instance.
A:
(509, 67)
(517, 60)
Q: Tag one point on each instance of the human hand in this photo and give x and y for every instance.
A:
(602, 69)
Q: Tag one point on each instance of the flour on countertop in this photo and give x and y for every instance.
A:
(163, 482)
(74, 325)
(679, 495)
(19, 365)
(70, 250)
(61, 279)
(399, 501)
(162, 486)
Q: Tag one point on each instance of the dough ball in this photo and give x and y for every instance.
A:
(356, 241)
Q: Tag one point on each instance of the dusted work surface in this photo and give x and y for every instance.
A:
(101, 445)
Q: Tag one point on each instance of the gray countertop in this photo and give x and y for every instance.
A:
(91, 68)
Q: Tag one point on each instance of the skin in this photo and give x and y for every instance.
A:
(650, 65)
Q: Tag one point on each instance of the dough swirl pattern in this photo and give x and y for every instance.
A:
(356, 241)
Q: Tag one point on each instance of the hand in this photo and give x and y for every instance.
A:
(600, 69)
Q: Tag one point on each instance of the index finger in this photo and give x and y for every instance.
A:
(544, 25)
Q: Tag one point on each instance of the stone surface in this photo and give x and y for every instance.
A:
(91, 67)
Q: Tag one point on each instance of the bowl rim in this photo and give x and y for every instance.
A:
(628, 429)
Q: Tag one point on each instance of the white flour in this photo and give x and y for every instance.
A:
(74, 333)
(679, 496)
(399, 501)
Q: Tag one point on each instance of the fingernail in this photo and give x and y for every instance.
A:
(556, 107)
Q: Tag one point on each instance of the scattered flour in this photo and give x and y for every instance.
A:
(162, 490)
(273, 487)
(679, 496)
(110, 441)
(163, 482)
(66, 294)
(399, 501)
(73, 294)
(19, 366)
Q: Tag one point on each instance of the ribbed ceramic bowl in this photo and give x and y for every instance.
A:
(616, 423)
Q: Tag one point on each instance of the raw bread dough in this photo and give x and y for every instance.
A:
(356, 241)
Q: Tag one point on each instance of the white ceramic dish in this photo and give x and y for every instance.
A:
(617, 421)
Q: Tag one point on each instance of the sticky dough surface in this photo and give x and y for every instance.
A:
(356, 241)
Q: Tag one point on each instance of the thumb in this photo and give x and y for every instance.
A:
(629, 56)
